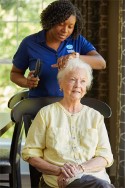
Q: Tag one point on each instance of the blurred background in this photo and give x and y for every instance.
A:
(104, 26)
(18, 18)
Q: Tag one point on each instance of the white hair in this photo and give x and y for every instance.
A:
(73, 64)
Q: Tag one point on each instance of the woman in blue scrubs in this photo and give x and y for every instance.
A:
(59, 40)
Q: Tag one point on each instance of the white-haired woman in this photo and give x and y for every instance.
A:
(67, 140)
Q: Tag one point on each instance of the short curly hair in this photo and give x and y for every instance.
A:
(59, 11)
(72, 65)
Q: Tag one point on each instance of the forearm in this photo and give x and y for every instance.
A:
(93, 58)
(44, 166)
(29, 82)
(19, 79)
(95, 164)
(95, 61)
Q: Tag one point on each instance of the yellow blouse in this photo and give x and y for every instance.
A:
(58, 137)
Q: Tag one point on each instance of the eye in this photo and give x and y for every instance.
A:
(71, 27)
(72, 79)
(83, 81)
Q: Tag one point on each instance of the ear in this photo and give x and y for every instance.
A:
(60, 85)
(60, 88)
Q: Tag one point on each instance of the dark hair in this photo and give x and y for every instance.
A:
(59, 11)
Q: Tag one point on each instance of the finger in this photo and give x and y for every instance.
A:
(31, 78)
(35, 85)
(60, 183)
(54, 65)
(32, 83)
(69, 165)
(64, 61)
(60, 63)
(31, 72)
(71, 168)
(68, 173)
(65, 174)
(64, 182)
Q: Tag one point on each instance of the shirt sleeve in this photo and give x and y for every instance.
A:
(35, 141)
(85, 46)
(103, 148)
(21, 59)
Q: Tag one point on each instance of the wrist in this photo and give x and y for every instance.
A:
(59, 171)
(82, 168)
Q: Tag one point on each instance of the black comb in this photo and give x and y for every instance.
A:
(37, 68)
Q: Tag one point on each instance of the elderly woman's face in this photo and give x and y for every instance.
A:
(74, 84)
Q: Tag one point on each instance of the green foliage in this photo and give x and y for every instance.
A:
(4, 75)
(7, 4)
(17, 20)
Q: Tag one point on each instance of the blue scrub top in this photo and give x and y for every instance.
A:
(34, 47)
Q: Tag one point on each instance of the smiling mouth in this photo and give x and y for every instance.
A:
(76, 91)
(62, 36)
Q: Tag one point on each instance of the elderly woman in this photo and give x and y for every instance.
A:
(67, 140)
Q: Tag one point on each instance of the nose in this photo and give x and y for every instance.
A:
(77, 83)
(65, 29)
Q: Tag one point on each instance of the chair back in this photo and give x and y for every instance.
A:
(18, 129)
(15, 150)
(31, 106)
(10, 158)
(98, 105)
(15, 154)
(17, 97)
